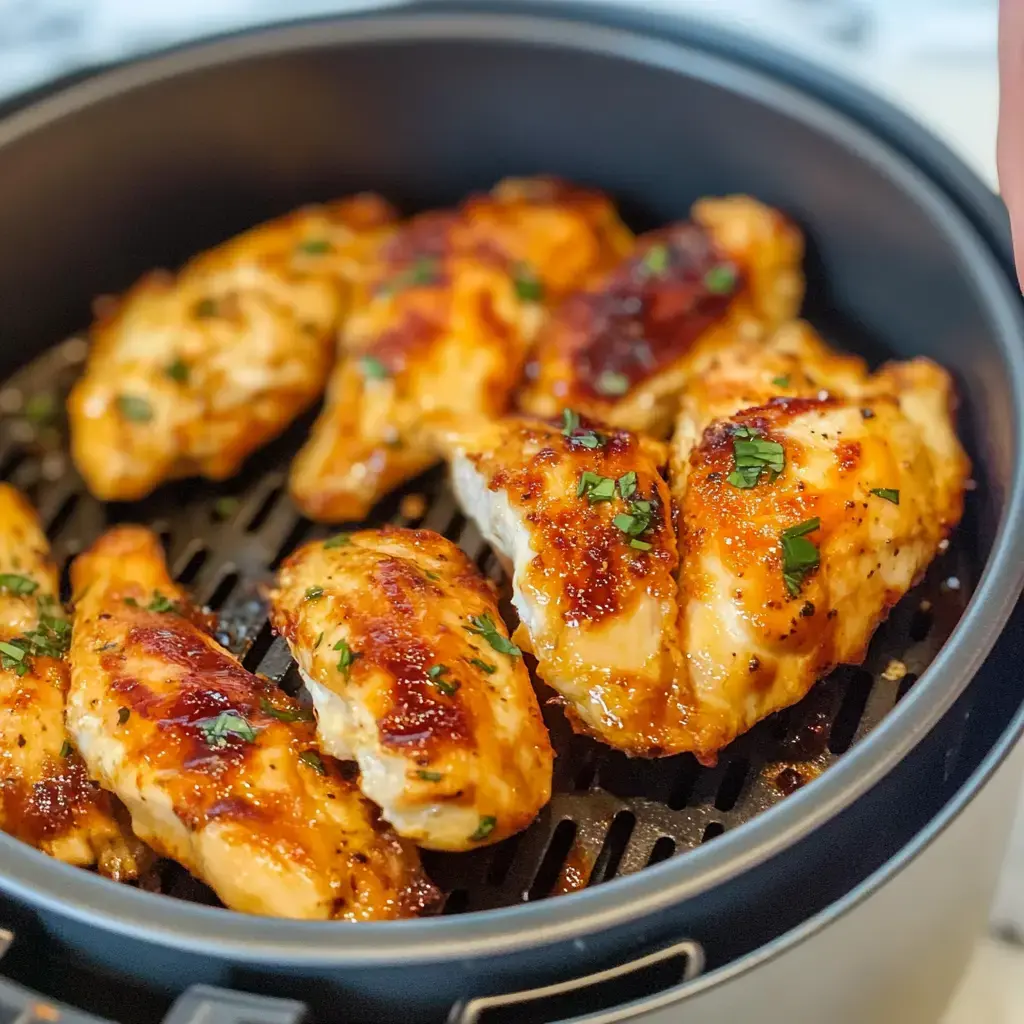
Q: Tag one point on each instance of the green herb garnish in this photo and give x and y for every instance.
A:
(572, 430)
(423, 271)
(160, 603)
(429, 776)
(781, 382)
(484, 829)
(528, 285)
(595, 487)
(484, 666)
(319, 640)
(177, 371)
(228, 723)
(799, 555)
(66, 750)
(296, 714)
(312, 593)
(339, 540)
(888, 493)
(754, 456)
(484, 626)
(123, 714)
(313, 759)
(205, 308)
(432, 576)
(373, 369)
(314, 246)
(611, 383)
(436, 674)
(627, 485)
(12, 583)
(134, 408)
(720, 280)
(640, 545)
(226, 507)
(346, 658)
(655, 261)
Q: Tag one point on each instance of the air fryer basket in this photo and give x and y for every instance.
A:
(147, 164)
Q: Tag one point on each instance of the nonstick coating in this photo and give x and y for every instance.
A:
(145, 165)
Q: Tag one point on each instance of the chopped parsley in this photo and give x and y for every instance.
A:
(178, 371)
(422, 271)
(781, 382)
(12, 583)
(720, 280)
(319, 640)
(577, 435)
(205, 308)
(314, 246)
(226, 507)
(529, 286)
(429, 776)
(484, 626)
(888, 493)
(799, 555)
(13, 656)
(655, 261)
(228, 723)
(346, 658)
(432, 576)
(296, 714)
(312, 593)
(123, 714)
(484, 829)
(636, 521)
(50, 639)
(627, 484)
(373, 369)
(612, 383)
(595, 487)
(41, 409)
(754, 456)
(640, 545)
(160, 603)
(313, 759)
(66, 750)
(484, 666)
(339, 540)
(436, 674)
(134, 408)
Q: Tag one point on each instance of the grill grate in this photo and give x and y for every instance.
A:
(610, 815)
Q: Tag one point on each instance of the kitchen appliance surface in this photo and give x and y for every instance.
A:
(142, 166)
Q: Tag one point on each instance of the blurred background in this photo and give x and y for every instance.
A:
(935, 58)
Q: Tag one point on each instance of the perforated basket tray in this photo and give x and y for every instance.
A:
(609, 815)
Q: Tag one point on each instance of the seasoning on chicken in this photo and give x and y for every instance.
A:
(440, 332)
(803, 519)
(46, 798)
(412, 675)
(621, 350)
(218, 768)
(190, 373)
(584, 517)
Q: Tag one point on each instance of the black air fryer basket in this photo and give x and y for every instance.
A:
(144, 165)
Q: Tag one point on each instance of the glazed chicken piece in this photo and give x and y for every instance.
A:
(218, 768)
(440, 331)
(803, 519)
(621, 350)
(47, 798)
(412, 675)
(584, 518)
(190, 373)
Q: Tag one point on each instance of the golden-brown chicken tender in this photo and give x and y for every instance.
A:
(584, 517)
(440, 331)
(190, 373)
(802, 519)
(412, 675)
(46, 798)
(218, 768)
(621, 350)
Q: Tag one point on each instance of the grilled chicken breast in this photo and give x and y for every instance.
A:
(189, 373)
(440, 331)
(47, 798)
(584, 518)
(218, 768)
(621, 350)
(413, 676)
(803, 518)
